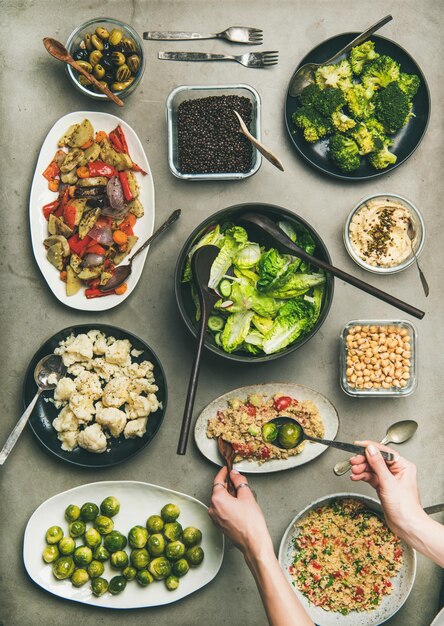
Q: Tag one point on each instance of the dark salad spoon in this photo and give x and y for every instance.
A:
(289, 434)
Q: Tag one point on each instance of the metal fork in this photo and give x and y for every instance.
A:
(237, 34)
(250, 59)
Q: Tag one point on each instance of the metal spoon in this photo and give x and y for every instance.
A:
(304, 75)
(399, 432)
(412, 234)
(50, 364)
(122, 272)
(264, 225)
(227, 452)
(268, 154)
(59, 52)
(201, 264)
(302, 436)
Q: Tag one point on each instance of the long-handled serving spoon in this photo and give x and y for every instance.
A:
(59, 52)
(268, 154)
(50, 365)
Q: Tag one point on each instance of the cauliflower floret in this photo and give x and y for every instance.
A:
(52, 379)
(88, 384)
(80, 349)
(111, 418)
(105, 370)
(136, 353)
(69, 440)
(138, 406)
(82, 407)
(119, 352)
(99, 341)
(139, 385)
(135, 428)
(140, 370)
(76, 368)
(64, 390)
(92, 439)
(116, 392)
(65, 420)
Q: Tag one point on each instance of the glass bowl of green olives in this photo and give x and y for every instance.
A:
(110, 50)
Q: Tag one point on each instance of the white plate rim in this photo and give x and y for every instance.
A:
(40, 195)
(208, 447)
(286, 537)
(104, 598)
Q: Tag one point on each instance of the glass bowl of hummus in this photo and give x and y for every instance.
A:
(382, 231)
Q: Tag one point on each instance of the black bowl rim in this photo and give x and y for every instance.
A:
(377, 173)
(106, 328)
(216, 217)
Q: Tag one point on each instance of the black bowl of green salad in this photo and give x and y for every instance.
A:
(270, 303)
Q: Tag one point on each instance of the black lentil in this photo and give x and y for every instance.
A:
(208, 135)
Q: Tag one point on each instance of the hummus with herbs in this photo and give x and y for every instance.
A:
(379, 233)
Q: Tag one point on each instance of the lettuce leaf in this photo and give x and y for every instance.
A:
(236, 330)
(248, 256)
(297, 285)
(212, 237)
(284, 331)
(275, 269)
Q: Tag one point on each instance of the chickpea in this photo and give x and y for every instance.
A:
(385, 385)
(359, 380)
(353, 378)
(349, 371)
(403, 383)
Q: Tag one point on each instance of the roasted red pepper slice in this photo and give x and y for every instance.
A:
(99, 168)
(69, 215)
(137, 168)
(78, 245)
(117, 138)
(95, 248)
(52, 171)
(96, 293)
(50, 208)
(125, 186)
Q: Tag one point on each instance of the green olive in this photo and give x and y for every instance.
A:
(115, 37)
(121, 86)
(102, 33)
(85, 82)
(129, 45)
(85, 65)
(99, 71)
(118, 58)
(123, 73)
(133, 63)
(103, 83)
(88, 44)
(97, 42)
(95, 57)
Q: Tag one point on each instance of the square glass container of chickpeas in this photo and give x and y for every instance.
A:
(378, 358)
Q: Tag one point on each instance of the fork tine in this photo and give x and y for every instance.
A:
(268, 63)
(255, 30)
(255, 37)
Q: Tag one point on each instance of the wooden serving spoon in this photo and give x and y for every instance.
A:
(268, 154)
(59, 52)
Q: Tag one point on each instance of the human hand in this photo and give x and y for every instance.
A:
(239, 518)
(395, 483)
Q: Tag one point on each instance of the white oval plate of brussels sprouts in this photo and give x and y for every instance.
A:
(41, 195)
(119, 506)
(326, 412)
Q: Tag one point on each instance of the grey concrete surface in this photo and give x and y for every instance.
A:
(34, 94)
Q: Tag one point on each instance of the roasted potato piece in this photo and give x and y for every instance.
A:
(70, 178)
(72, 160)
(75, 262)
(135, 207)
(92, 153)
(118, 258)
(64, 140)
(73, 283)
(83, 133)
(119, 160)
(104, 277)
(90, 272)
(133, 184)
(87, 222)
(56, 226)
(92, 182)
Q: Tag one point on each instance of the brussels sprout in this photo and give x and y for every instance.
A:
(53, 535)
(99, 586)
(77, 528)
(160, 568)
(67, 546)
(95, 569)
(173, 531)
(115, 541)
(83, 556)
(117, 585)
(110, 506)
(156, 544)
(92, 538)
(194, 556)
(139, 558)
(119, 559)
(103, 524)
(79, 577)
(138, 536)
(63, 567)
(89, 511)
(155, 524)
(72, 513)
(50, 554)
(144, 577)
(170, 512)
(174, 550)
(101, 553)
(191, 536)
(129, 572)
(289, 435)
(270, 432)
(181, 567)
(171, 583)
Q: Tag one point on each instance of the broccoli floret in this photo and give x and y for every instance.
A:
(359, 101)
(380, 73)
(344, 152)
(409, 83)
(382, 158)
(378, 132)
(313, 124)
(325, 101)
(338, 75)
(360, 55)
(365, 139)
(392, 108)
(342, 122)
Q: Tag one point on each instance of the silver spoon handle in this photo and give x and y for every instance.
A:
(435, 508)
(13, 437)
(350, 447)
(172, 218)
(360, 38)
(342, 467)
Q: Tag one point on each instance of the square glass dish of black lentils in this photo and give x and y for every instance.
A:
(208, 136)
